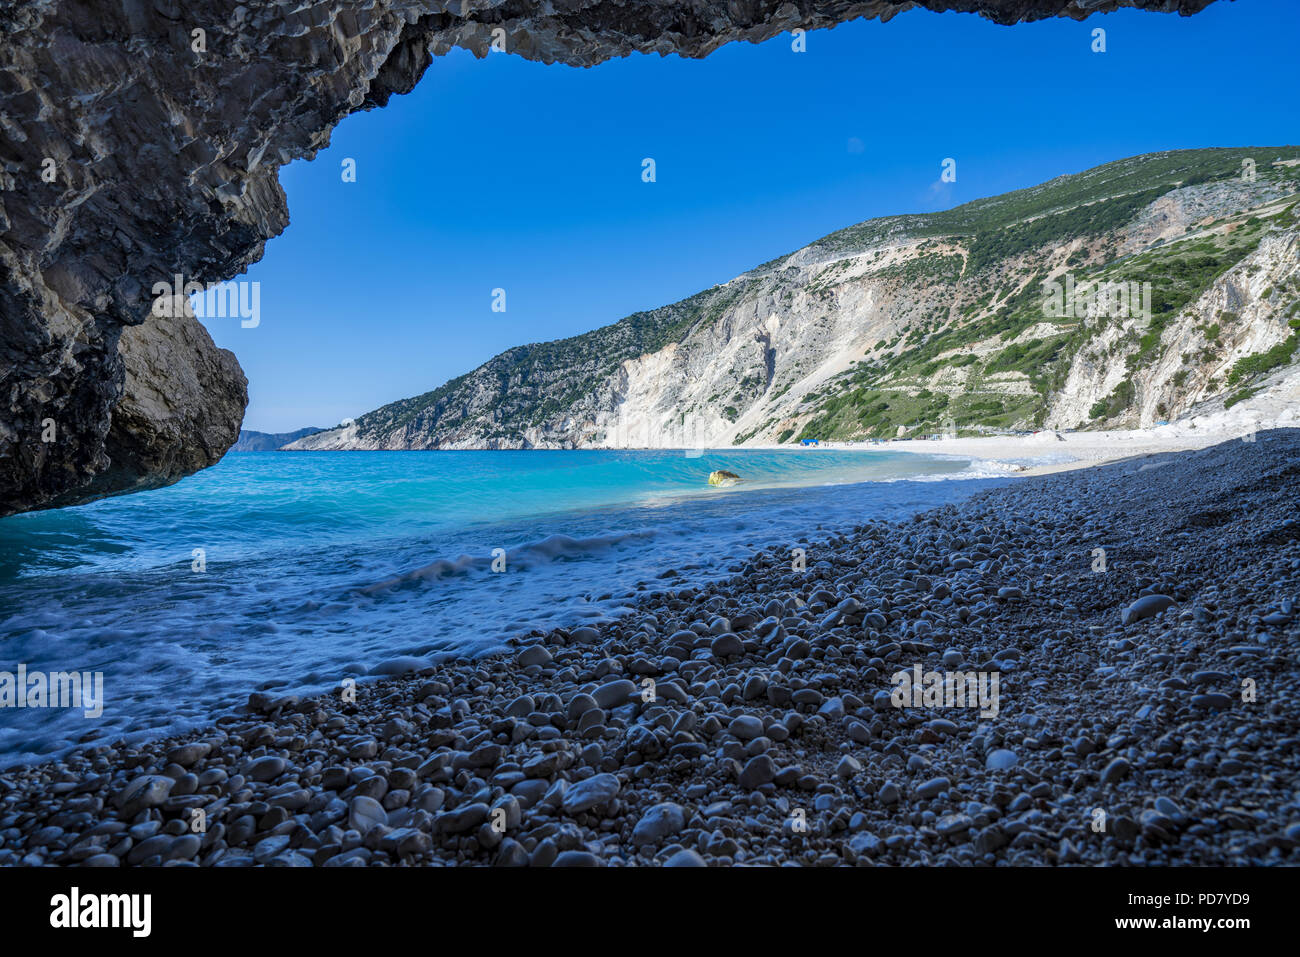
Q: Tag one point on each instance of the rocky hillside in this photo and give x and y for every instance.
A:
(960, 320)
(250, 441)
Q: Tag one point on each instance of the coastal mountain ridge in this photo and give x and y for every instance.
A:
(906, 325)
(252, 441)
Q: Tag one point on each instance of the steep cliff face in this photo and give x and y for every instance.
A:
(925, 323)
(142, 140)
(1243, 313)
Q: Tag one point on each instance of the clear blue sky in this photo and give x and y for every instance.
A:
(507, 173)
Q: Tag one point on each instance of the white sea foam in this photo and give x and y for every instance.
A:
(346, 591)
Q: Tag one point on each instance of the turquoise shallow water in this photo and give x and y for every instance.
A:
(321, 564)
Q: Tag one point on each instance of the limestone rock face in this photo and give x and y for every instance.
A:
(180, 409)
(141, 139)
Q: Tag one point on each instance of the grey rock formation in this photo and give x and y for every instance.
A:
(251, 441)
(142, 139)
(180, 408)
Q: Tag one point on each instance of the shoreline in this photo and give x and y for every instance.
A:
(587, 561)
(1275, 405)
(1082, 450)
(768, 702)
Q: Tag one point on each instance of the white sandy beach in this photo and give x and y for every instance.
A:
(1277, 405)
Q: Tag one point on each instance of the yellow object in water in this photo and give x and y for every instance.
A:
(723, 478)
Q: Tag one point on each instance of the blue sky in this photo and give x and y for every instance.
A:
(503, 173)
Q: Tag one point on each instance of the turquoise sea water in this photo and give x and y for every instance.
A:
(319, 565)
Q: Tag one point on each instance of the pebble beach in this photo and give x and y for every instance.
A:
(1139, 618)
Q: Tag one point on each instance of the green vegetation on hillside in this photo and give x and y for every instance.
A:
(1150, 173)
(1121, 397)
(1262, 362)
(1178, 274)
